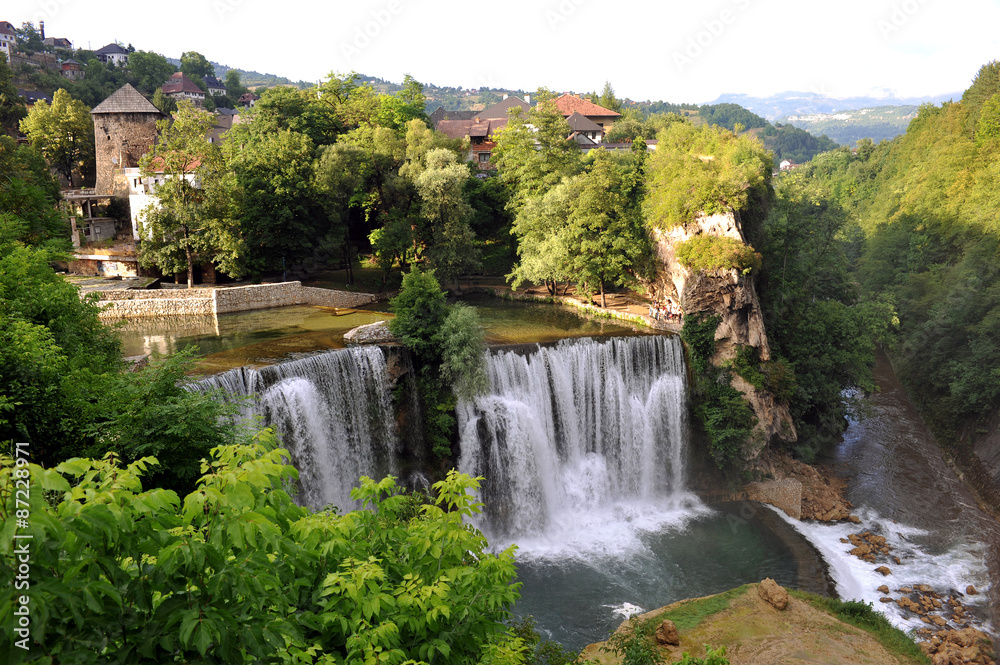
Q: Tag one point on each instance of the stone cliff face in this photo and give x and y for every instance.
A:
(732, 296)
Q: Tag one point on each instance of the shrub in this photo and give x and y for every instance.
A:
(708, 253)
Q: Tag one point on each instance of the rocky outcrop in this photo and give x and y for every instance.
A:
(773, 593)
(732, 296)
(372, 333)
(666, 633)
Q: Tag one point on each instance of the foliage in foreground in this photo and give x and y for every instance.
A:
(236, 572)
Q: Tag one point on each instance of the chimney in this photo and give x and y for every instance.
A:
(527, 99)
(505, 95)
(41, 29)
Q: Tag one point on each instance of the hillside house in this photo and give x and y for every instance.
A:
(58, 42)
(216, 88)
(181, 87)
(112, 53)
(480, 128)
(31, 97)
(248, 100)
(570, 105)
(585, 130)
(8, 39)
(72, 70)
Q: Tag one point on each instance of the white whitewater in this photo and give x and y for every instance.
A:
(580, 444)
(334, 414)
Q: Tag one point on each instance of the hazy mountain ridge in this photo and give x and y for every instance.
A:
(848, 127)
(797, 103)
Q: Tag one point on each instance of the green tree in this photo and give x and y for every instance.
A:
(55, 354)
(420, 310)
(275, 205)
(608, 99)
(606, 234)
(703, 170)
(176, 228)
(463, 352)
(28, 39)
(196, 67)
(532, 154)
(164, 103)
(12, 108)
(64, 133)
(441, 187)
(234, 87)
(149, 71)
(28, 196)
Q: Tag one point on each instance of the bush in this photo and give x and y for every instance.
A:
(236, 572)
(707, 253)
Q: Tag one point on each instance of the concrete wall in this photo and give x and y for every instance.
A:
(129, 304)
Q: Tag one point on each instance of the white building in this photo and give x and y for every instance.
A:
(142, 194)
(113, 53)
(8, 38)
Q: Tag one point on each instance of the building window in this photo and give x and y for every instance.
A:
(484, 157)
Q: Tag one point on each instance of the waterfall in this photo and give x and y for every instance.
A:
(577, 431)
(334, 414)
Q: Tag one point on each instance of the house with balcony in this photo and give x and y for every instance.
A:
(113, 53)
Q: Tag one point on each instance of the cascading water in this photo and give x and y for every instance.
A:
(578, 437)
(334, 414)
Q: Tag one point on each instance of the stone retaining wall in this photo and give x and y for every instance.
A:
(340, 299)
(130, 309)
(258, 296)
(129, 304)
(155, 294)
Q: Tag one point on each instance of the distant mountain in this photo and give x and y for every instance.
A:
(848, 127)
(792, 103)
(250, 79)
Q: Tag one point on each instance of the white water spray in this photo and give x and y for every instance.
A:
(579, 441)
(334, 414)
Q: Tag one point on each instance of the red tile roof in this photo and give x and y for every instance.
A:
(180, 83)
(570, 104)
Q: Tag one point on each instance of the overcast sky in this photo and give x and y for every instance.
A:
(674, 51)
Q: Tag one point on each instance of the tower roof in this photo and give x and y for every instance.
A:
(126, 100)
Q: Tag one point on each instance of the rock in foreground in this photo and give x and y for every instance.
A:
(372, 333)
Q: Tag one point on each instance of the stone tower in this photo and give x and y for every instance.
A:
(124, 131)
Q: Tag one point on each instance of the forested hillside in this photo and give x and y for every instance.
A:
(924, 233)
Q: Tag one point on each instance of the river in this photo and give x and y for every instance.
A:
(904, 490)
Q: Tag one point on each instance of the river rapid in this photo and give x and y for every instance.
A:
(903, 489)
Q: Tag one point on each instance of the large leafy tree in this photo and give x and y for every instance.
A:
(178, 226)
(441, 186)
(64, 133)
(237, 572)
(149, 70)
(276, 207)
(196, 67)
(606, 233)
(28, 196)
